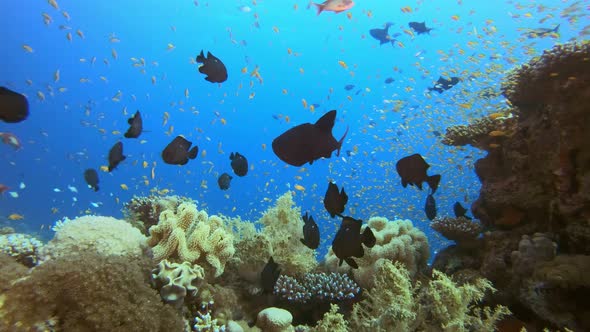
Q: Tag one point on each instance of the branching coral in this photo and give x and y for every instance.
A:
(89, 292)
(397, 240)
(331, 322)
(189, 235)
(316, 287)
(22, 247)
(461, 230)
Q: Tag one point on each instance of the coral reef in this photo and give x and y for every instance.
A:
(331, 322)
(10, 270)
(204, 322)
(283, 227)
(88, 291)
(461, 230)
(441, 305)
(316, 287)
(532, 251)
(144, 211)
(189, 235)
(484, 133)
(558, 292)
(104, 235)
(540, 174)
(397, 240)
(274, 320)
(22, 247)
(177, 281)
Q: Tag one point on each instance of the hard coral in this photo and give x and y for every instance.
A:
(89, 292)
(274, 320)
(105, 235)
(22, 247)
(461, 230)
(316, 287)
(331, 322)
(397, 240)
(188, 235)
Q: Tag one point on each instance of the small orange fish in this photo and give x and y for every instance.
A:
(497, 133)
(10, 139)
(336, 6)
(16, 216)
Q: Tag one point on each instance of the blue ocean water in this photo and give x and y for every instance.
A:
(139, 55)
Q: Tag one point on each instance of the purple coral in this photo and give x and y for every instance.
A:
(323, 287)
(460, 230)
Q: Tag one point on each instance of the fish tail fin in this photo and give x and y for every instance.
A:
(96, 188)
(369, 238)
(433, 182)
(341, 141)
(351, 262)
(201, 57)
(556, 28)
(393, 42)
(193, 152)
(319, 7)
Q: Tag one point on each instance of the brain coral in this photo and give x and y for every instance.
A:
(397, 240)
(105, 235)
(189, 235)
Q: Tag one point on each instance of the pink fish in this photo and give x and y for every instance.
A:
(3, 188)
(336, 6)
(10, 139)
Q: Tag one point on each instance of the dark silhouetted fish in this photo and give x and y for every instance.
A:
(239, 164)
(178, 153)
(311, 233)
(308, 142)
(389, 80)
(14, 107)
(269, 276)
(212, 67)
(460, 211)
(335, 201)
(224, 180)
(430, 207)
(91, 177)
(116, 155)
(541, 32)
(135, 126)
(412, 170)
(442, 84)
(419, 27)
(382, 34)
(349, 87)
(349, 240)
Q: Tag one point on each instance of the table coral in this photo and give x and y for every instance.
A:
(189, 235)
(396, 240)
(105, 235)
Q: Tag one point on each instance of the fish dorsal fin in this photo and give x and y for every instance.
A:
(326, 122)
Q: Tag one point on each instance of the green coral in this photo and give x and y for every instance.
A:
(331, 322)
(395, 305)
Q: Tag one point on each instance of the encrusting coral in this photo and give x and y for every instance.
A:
(105, 235)
(88, 291)
(397, 240)
(189, 235)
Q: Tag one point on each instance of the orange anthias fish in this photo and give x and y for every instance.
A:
(3, 188)
(10, 139)
(336, 6)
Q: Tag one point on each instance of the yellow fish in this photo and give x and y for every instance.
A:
(16, 216)
(124, 186)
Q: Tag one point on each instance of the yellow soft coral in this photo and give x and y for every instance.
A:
(189, 235)
(397, 240)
